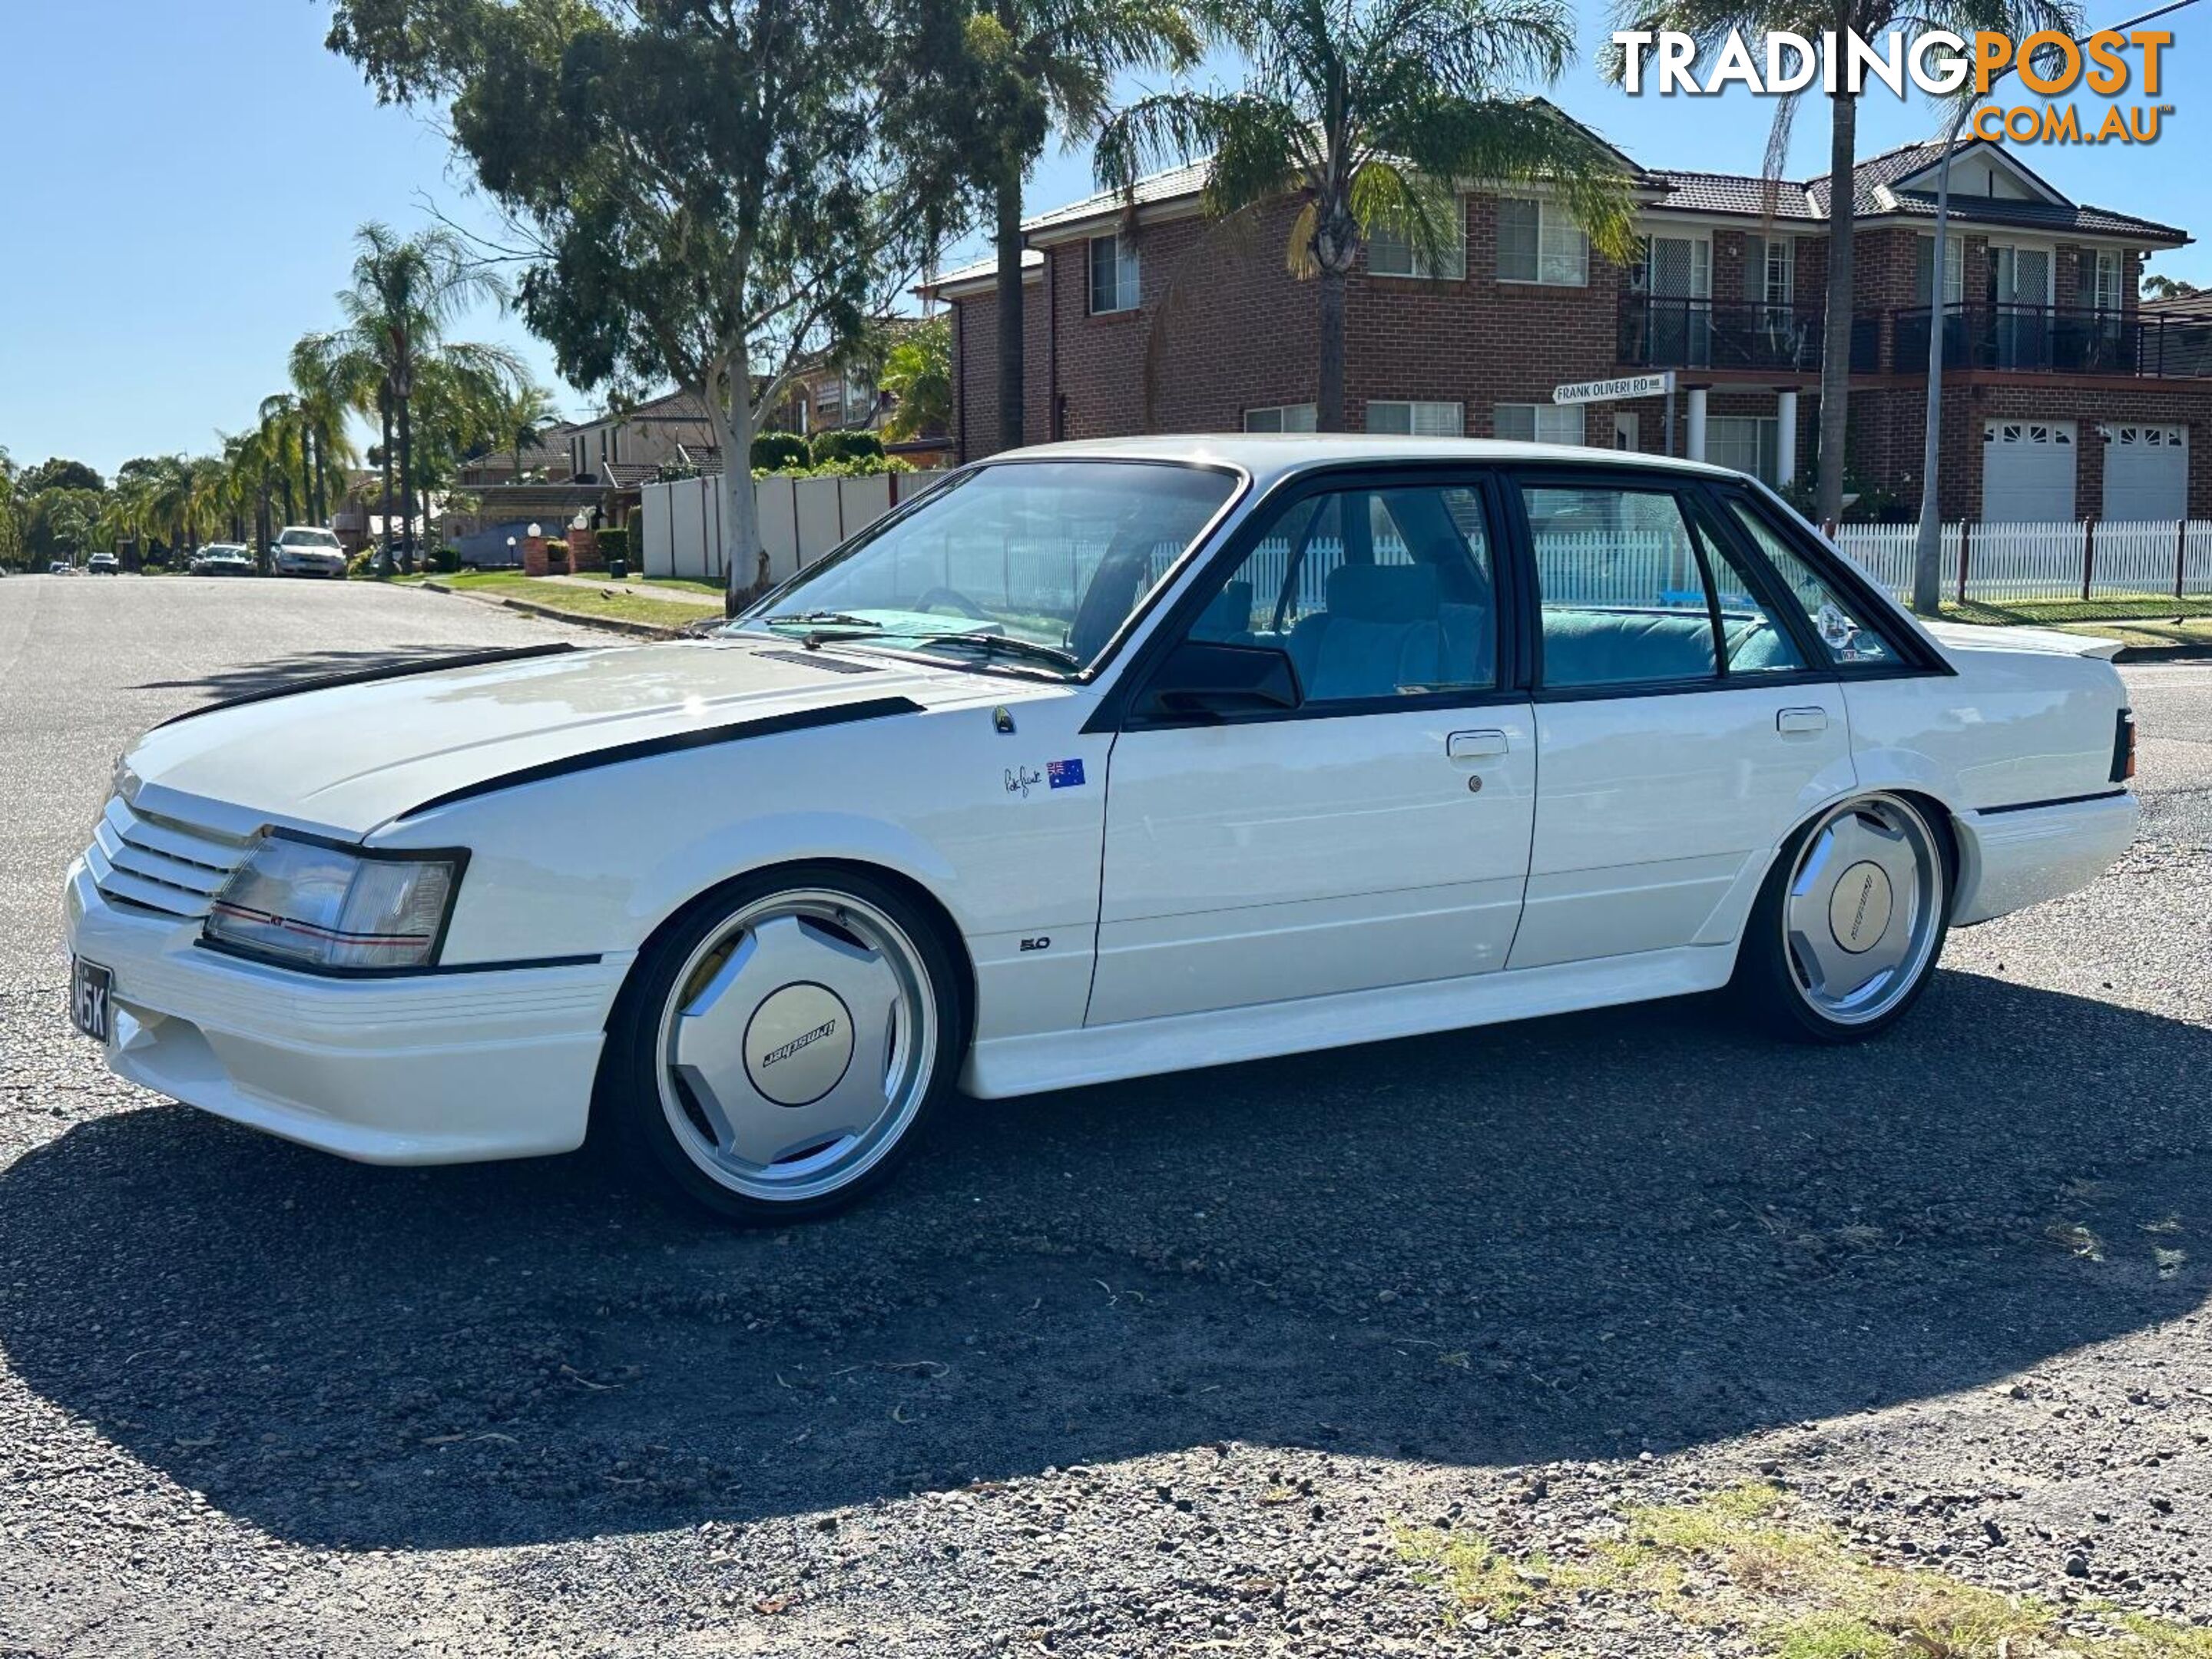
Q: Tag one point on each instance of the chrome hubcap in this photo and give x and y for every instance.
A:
(796, 1047)
(1861, 919)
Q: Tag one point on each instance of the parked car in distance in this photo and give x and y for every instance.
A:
(61, 568)
(221, 559)
(103, 563)
(304, 550)
(1094, 761)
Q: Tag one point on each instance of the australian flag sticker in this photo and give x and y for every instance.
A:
(1064, 774)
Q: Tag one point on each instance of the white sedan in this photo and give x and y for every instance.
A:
(1094, 761)
(304, 550)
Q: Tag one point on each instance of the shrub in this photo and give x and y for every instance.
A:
(614, 544)
(363, 563)
(846, 446)
(860, 466)
(773, 451)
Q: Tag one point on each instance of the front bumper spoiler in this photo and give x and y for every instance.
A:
(435, 1068)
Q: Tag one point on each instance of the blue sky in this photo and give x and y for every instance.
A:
(184, 182)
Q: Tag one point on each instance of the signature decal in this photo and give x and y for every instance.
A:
(1020, 780)
(798, 1043)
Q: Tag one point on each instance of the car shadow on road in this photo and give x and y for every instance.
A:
(299, 669)
(1580, 1236)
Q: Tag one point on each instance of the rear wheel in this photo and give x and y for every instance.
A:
(1845, 936)
(777, 1048)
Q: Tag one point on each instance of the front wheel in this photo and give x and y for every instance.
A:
(777, 1048)
(1845, 933)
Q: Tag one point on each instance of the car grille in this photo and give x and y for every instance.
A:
(158, 864)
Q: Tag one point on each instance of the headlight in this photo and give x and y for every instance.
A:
(320, 905)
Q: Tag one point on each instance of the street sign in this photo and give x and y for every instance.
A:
(1605, 392)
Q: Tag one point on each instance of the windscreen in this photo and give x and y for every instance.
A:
(1036, 561)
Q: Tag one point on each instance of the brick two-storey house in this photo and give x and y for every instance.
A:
(2062, 399)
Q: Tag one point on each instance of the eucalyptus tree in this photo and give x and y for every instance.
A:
(1360, 115)
(1710, 22)
(706, 194)
(406, 291)
(1037, 67)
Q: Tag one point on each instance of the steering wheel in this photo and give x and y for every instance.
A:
(954, 597)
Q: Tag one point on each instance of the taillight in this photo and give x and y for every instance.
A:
(2123, 747)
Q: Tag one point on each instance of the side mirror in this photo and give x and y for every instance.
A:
(1201, 677)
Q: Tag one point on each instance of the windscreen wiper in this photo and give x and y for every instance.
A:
(812, 618)
(995, 644)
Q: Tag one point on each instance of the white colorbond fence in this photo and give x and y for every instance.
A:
(801, 519)
(2087, 560)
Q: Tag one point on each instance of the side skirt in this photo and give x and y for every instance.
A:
(1106, 1053)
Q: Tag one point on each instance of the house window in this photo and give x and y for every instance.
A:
(1537, 242)
(2108, 279)
(1113, 275)
(1391, 251)
(1770, 271)
(1283, 417)
(1416, 420)
(1923, 268)
(1538, 423)
(1745, 443)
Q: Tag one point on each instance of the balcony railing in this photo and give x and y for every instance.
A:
(2056, 340)
(1660, 333)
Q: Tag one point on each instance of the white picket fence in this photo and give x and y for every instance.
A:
(801, 519)
(2153, 558)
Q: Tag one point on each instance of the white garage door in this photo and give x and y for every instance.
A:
(2027, 472)
(2146, 472)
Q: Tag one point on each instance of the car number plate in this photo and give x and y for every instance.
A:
(91, 985)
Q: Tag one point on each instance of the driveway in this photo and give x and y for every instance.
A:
(1157, 1367)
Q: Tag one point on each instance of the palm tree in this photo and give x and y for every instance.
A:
(1368, 113)
(525, 415)
(918, 373)
(1047, 64)
(406, 293)
(319, 371)
(285, 435)
(1711, 22)
(11, 512)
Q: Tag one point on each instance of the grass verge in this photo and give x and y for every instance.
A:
(2140, 619)
(615, 600)
(1743, 1562)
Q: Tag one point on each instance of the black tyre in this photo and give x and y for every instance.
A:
(1845, 933)
(777, 1047)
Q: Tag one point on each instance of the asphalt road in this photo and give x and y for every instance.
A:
(1151, 1367)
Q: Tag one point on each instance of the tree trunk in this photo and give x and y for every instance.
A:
(744, 556)
(1835, 343)
(1328, 404)
(321, 505)
(407, 483)
(384, 410)
(1012, 374)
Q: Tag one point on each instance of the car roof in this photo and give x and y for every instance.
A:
(1269, 456)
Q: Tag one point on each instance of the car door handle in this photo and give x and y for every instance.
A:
(1794, 721)
(1476, 745)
